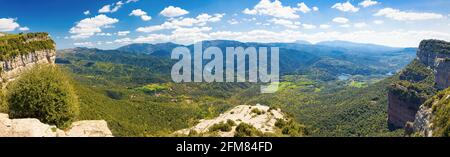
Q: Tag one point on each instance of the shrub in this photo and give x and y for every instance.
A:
(247, 130)
(3, 105)
(224, 127)
(45, 93)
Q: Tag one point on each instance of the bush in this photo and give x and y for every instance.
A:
(247, 130)
(3, 105)
(45, 93)
(224, 127)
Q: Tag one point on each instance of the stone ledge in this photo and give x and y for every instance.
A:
(31, 127)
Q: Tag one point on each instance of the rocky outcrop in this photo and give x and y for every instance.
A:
(422, 125)
(443, 73)
(13, 67)
(401, 111)
(31, 127)
(436, 54)
(264, 121)
(429, 73)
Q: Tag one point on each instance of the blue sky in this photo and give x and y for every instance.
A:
(108, 24)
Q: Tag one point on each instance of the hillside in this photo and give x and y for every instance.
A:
(316, 80)
(415, 100)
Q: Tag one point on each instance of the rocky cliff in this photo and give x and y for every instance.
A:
(21, 52)
(412, 99)
(420, 81)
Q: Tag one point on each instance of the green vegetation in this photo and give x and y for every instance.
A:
(45, 93)
(257, 111)
(441, 108)
(247, 130)
(3, 104)
(20, 44)
(291, 128)
(113, 85)
(224, 127)
(415, 84)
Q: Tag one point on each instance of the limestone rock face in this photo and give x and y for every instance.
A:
(12, 68)
(30, 127)
(400, 111)
(422, 123)
(436, 55)
(443, 73)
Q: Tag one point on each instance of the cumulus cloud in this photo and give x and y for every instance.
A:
(87, 12)
(341, 20)
(309, 26)
(324, 26)
(24, 29)
(233, 21)
(398, 15)
(111, 8)
(378, 22)
(83, 44)
(285, 23)
(201, 20)
(275, 9)
(345, 7)
(140, 13)
(303, 8)
(360, 25)
(8, 24)
(172, 11)
(123, 33)
(368, 3)
(89, 26)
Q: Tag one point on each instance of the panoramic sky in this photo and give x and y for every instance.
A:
(108, 24)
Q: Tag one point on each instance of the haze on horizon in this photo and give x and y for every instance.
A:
(108, 24)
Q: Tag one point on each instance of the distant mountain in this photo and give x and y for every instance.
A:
(154, 49)
(370, 48)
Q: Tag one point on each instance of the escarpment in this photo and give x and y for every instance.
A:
(417, 84)
(20, 52)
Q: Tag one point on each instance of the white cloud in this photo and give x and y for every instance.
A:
(105, 9)
(285, 23)
(201, 20)
(275, 9)
(24, 29)
(368, 3)
(103, 34)
(123, 41)
(8, 24)
(345, 26)
(111, 8)
(324, 26)
(345, 7)
(398, 15)
(378, 22)
(233, 22)
(360, 25)
(315, 9)
(303, 8)
(83, 44)
(87, 12)
(140, 13)
(341, 20)
(309, 26)
(123, 33)
(89, 26)
(395, 38)
(172, 11)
